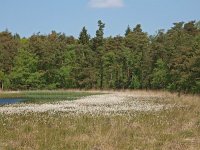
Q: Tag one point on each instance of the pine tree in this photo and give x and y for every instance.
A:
(138, 42)
(159, 75)
(99, 40)
(98, 47)
(137, 28)
(8, 50)
(128, 30)
(84, 37)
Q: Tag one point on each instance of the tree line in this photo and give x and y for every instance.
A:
(167, 60)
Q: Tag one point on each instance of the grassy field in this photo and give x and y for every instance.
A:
(175, 128)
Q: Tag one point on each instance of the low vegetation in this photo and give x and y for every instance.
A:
(177, 127)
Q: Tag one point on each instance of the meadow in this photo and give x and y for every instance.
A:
(176, 125)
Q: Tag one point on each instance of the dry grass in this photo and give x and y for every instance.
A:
(174, 128)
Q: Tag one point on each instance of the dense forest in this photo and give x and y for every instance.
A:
(167, 60)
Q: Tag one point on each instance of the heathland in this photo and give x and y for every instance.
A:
(111, 120)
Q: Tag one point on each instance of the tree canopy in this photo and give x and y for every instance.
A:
(167, 60)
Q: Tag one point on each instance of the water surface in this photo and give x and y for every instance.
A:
(4, 101)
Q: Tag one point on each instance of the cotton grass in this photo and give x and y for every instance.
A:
(114, 103)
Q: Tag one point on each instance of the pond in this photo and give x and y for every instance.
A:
(4, 101)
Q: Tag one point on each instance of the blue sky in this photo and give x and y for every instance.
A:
(69, 16)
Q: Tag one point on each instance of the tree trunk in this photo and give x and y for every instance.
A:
(101, 76)
(1, 85)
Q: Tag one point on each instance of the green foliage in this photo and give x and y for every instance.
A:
(8, 49)
(128, 30)
(24, 74)
(64, 74)
(84, 37)
(196, 87)
(168, 59)
(135, 83)
(159, 75)
(2, 75)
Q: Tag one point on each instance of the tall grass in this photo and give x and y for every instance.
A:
(174, 128)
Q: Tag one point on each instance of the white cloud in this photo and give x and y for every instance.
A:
(106, 3)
